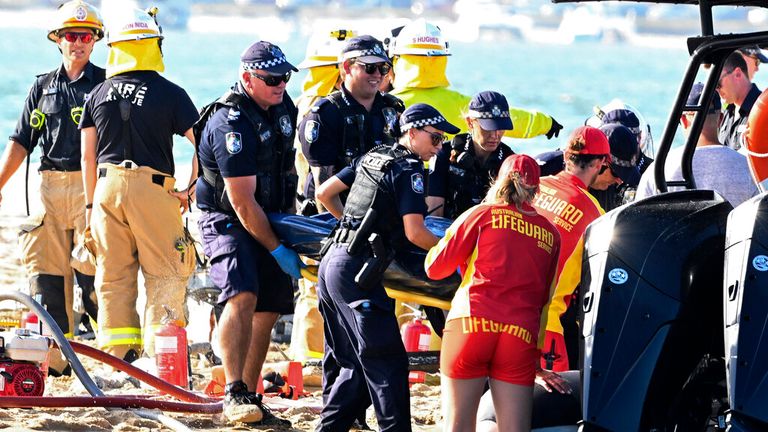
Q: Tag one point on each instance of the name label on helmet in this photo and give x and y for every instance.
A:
(426, 39)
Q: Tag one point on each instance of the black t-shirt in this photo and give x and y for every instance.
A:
(228, 144)
(61, 100)
(159, 109)
(735, 121)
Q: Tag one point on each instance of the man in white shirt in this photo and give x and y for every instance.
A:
(711, 160)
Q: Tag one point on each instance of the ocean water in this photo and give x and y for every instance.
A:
(562, 81)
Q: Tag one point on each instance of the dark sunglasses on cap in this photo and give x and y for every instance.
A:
(370, 68)
(273, 80)
(72, 37)
(437, 139)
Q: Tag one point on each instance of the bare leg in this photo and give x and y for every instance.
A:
(513, 405)
(234, 334)
(461, 398)
(487, 426)
(261, 332)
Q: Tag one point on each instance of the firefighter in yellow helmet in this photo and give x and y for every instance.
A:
(131, 202)
(49, 120)
(419, 59)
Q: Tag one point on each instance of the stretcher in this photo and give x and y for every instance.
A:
(404, 280)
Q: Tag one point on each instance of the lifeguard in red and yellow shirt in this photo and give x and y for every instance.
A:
(508, 257)
(564, 200)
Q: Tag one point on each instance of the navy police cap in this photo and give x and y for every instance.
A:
(491, 109)
(267, 57)
(695, 95)
(366, 49)
(624, 152)
(421, 115)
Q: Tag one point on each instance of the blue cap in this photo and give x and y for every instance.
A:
(366, 49)
(623, 117)
(491, 109)
(695, 95)
(420, 115)
(267, 57)
(624, 152)
(755, 52)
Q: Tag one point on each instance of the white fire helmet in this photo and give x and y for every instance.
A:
(419, 38)
(134, 25)
(618, 111)
(76, 14)
(324, 49)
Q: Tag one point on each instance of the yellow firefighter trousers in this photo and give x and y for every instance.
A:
(307, 338)
(136, 223)
(46, 242)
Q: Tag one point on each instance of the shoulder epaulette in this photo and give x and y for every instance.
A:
(319, 103)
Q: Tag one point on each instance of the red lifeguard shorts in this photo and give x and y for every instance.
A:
(477, 347)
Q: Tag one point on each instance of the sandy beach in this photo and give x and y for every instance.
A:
(425, 398)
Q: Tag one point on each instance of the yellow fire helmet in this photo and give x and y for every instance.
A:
(324, 48)
(419, 37)
(134, 25)
(76, 13)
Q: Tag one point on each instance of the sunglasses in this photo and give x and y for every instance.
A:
(72, 37)
(437, 139)
(370, 68)
(720, 81)
(273, 80)
(608, 167)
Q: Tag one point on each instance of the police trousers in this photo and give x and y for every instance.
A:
(136, 224)
(364, 352)
(46, 242)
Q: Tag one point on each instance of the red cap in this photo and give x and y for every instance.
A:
(587, 140)
(524, 165)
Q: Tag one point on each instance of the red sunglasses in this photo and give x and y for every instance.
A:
(72, 37)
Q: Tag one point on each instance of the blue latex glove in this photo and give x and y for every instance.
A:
(288, 260)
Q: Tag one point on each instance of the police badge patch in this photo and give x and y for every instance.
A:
(285, 125)
(390, 116)
(311, 131)
(417, 183)
(234, 142)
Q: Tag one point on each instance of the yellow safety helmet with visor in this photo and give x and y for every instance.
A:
(76, 14)
(324, 48)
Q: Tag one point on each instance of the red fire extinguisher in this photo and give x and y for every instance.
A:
(416, 338)
(171, 351)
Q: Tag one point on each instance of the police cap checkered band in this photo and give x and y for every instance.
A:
(265, 56)
(422, 122)
(363, 53)
(365, 48)
(488, 114)
(624, 163)
(420, 115)
(264, 64)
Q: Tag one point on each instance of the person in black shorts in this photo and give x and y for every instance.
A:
(247, 169)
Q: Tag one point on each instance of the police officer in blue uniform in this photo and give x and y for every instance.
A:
(346, 124)
(385, 210)
(463, 170)
(246, 160)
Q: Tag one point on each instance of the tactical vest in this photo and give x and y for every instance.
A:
(355, 142)
(368, 192)
(468, 181)
(275, 187)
